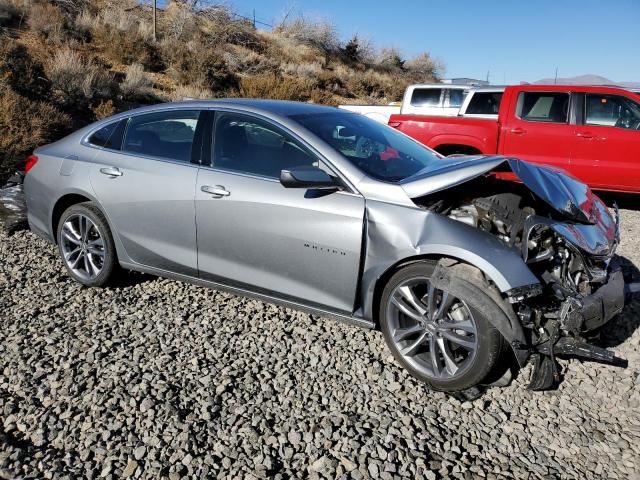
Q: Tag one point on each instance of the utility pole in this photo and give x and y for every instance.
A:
(488, 72)
(155, 6)
(254, 18)
(555, 79)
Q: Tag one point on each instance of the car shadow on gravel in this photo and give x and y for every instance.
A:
(128, 278)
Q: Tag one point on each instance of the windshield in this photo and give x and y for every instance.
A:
(376, 149)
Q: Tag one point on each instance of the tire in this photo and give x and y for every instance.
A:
(474, 347)
(86, 245)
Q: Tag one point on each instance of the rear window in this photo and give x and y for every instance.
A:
(109, 136)
(544, 106)
(164, 134)
(484, 103)
(426, 97)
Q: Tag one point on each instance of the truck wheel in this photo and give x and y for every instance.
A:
(86, 245)
(434, 333)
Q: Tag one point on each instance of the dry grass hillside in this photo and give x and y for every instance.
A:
(66, 63)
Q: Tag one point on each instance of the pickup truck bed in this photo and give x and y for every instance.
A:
(450, 135)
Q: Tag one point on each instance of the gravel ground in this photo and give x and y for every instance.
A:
(162, 379)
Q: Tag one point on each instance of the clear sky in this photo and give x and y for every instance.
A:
(515, 40)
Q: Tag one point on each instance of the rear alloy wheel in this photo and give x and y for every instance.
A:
(86, 246)
(434, 333)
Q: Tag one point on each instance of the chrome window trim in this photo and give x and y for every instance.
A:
(84, 141)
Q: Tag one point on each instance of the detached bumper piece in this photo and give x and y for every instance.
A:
(13, 205)
(594, 311)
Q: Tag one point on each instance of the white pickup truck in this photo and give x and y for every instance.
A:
(437, 99)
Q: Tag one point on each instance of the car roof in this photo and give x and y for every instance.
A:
(275, 107)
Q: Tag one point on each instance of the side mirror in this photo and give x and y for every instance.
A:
(307, 177)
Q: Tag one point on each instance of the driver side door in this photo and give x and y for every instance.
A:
(253, 233)
(606, 151)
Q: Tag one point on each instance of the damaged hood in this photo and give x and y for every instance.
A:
(565, 194)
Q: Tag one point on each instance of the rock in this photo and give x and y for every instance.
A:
(130, 469)
(94, 382)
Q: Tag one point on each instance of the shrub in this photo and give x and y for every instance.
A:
(367, 84)
(330, 81)
(10, 14)
(242, 60)
(319, 33)
(219, 26)
(195, 64)
(104, 109)
(305, 70)
(76, 79)
(47, 20)
(358, 50)
(190, 91)
(390, 59)
(129, 47)
(25, 124)
(275, 87)
(22, 73)
(136, 82)
(425, 67)
(178, 22)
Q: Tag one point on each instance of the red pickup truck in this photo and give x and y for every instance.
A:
(593, 132)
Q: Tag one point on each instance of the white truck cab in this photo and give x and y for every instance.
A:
(434, 99)
(438, 99)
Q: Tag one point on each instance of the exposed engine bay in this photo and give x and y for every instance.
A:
(581, 287)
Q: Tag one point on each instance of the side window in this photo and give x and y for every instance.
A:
(484, 103)
(456, 97)
(246, 144)
(544, 106)
(109, 136)
(164, 134)
(426, 97)
(611, 111)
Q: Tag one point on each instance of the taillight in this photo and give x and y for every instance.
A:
(31, 162)
(395, 124)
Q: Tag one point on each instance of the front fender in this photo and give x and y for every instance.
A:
(396, 233)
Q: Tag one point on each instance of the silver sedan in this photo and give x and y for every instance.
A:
(327, 211)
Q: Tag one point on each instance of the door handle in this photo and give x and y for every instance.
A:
(218, 191)
(111, 172)
(518, 131)
(585, 135)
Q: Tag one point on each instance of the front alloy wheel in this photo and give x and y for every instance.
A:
(437, 335)
(434, 331)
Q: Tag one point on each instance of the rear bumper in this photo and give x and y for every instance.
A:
(605, 303)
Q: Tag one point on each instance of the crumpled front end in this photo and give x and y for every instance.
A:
(566, 236)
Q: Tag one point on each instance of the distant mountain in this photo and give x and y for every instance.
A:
(588, 79)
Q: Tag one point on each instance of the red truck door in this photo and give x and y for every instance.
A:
(606, 152)
(538, 128)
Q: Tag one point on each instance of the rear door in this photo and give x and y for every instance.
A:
(606, 151)
(538, 128)
(145, 183)
(253, 232)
